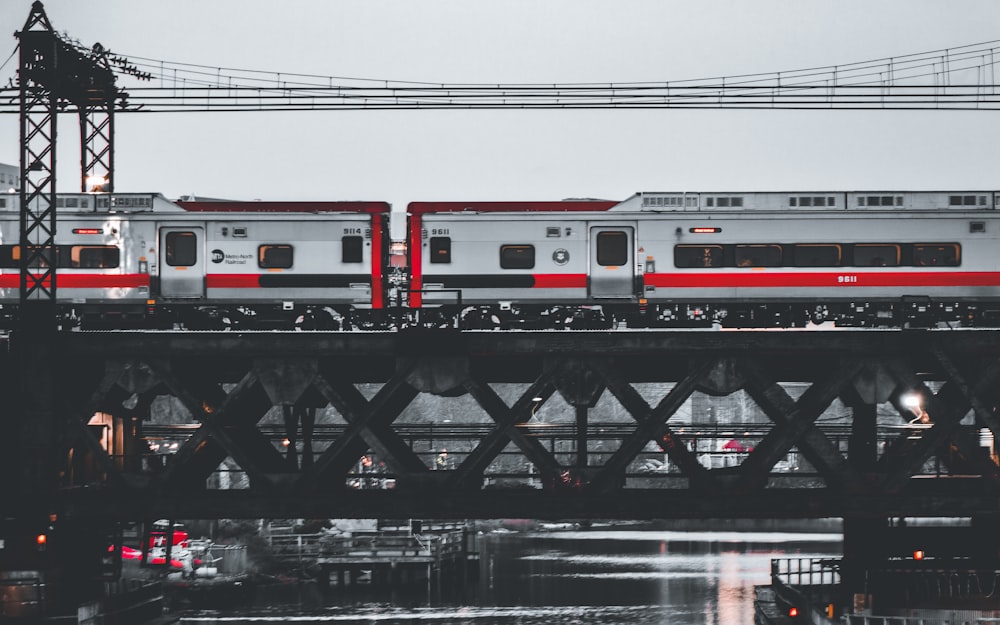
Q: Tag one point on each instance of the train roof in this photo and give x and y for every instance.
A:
(422, 208)
(157, 203)
(100, 203)
(232, 206)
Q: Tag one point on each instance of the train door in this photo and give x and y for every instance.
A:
(612, 262)
(182, 262)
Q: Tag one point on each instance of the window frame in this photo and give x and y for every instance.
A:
(797, 262)
(897, 246)
(721, 258)
(602, 252)
(515, 260)
(440, 250)
(355, 244)
(956, 255)
(170, 245)
(738, 259)
(110, 257)
(263, 262)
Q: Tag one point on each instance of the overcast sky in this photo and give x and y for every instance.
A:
(401, 156)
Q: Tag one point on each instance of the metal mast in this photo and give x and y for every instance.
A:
(54, 73)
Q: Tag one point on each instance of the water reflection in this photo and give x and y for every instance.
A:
(580, 577)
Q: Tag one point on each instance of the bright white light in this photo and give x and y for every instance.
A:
(96, 184)
(913, 401)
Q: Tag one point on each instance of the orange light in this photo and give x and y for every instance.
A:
(705, 230)
(41, 539)
(286, 442)
(918, 554)
(793, 611)
(87, 231)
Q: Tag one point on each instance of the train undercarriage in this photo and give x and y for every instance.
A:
(290, 316)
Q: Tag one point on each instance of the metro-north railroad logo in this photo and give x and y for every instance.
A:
(219, 257)
(560, 256)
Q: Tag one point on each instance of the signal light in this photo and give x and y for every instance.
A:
(41, 540)
(918, 554)
(793, 611)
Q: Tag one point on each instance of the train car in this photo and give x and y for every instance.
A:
(139, 260)
(750, 259)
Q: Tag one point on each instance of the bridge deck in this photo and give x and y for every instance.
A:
(800, 423)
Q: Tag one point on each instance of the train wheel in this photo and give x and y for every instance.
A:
(319, 319)
(473, 318)
(211, 319)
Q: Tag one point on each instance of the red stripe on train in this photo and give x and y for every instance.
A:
(560, 281)
(85, 281)
(761, 279)
(232, 281)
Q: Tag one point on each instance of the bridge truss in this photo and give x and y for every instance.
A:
(342, 425)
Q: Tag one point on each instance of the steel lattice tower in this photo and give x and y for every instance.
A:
(53, 74)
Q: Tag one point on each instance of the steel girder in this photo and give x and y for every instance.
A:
(233, 392)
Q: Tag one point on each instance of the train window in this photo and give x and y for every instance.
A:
(612, 248)
(767, 255)
(936, 254)
(440, 249)
(963, 200)
(517, 256)
(182, 249)
(735, 201)
(274, 256)
(880, 200)
(92, 257)
(876, 255)
(817, 255)
(9, 257)
(808, 201)
(698, 256)
(351, 249)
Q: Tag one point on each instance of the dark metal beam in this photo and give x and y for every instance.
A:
(951, 499)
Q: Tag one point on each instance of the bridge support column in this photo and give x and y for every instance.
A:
(862, 447)
(864, 549)
(582, 414)
(581, 386)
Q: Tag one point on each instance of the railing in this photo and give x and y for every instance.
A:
(716, 446)
(303, 547)
(806, 581)
(952, 618)
(805, 571)
(951, 584)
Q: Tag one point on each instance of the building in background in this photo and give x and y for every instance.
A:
(9, 178)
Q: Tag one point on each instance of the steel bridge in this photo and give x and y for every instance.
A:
(119, 426)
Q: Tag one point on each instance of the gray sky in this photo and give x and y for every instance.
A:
(400, 156)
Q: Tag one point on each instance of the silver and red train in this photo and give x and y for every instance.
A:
(752, 259)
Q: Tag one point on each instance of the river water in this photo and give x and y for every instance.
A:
(573, 577)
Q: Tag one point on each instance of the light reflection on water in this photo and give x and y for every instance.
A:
(579, 577)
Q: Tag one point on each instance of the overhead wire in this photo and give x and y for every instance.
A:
(939, 79)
